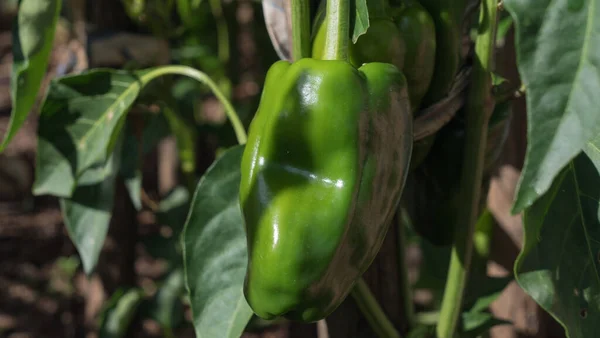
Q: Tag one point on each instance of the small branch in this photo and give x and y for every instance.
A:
(300, 29)
(338, 30)
(372, 311)
(201, 77)
(478, 110)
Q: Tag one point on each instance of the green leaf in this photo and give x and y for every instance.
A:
(361, 21)
(422, 331)
(87, 216)
(173, 209)
(155, 128)
(118, 315)
(559, 263)
(475, 324)
(215, 254)
(33, 35)
(504, 25)
(172, 212)
(188, 12)
(434, 267)
(88, 211)
(83, 115)
(483, 291)
(166, 307)
(79, 123)
(558, 53)
(130, 167)
(592, 150)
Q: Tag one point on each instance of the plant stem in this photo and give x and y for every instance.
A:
(222, 31)
(405, 289)
(338, 30)
(479, 107)
(372, 311)
(300, 29)
(201, 77)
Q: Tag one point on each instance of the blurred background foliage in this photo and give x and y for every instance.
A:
(178, 126)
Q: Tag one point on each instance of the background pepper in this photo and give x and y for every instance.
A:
(403, 36)
(417, 30)
(322, 174)
(381, 42)
(447, 16)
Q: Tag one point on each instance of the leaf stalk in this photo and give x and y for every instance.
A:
(372, 311)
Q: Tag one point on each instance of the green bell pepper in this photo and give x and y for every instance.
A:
(403, 36)
(322, 174)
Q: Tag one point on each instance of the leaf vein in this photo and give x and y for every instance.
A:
(583, 224)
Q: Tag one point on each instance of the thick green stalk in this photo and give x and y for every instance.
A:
(372, 311)
(338, 30)
(479, 107)
(300, 29)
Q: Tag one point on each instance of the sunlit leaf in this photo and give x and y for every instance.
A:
(88, 211)
(215, 254)
(559, 263)
(79, 123)
(119, 314)
(558, 54)
(33, 34)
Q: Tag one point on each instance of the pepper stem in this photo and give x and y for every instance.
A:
(300, 29)
(374, 314)
(478, 108)
(338, 30)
